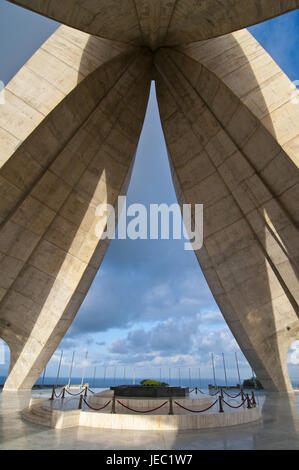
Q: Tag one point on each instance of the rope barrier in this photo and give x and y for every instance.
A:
(141, 411)
(91, 391)
(236, 396)
(194, 411)
(214, 394)
(58, 396)
(75, 394)
(96, 409)
(232, 406)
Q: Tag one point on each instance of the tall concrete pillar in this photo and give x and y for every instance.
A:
(71, 123)
(232, 151)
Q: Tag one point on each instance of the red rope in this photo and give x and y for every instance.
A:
(74, 394)
(231, 396)
(231, 406)
(194, 411)
(96, 409)
(141, 411)
(58, 396)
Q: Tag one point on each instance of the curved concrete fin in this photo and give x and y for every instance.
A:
(50, 235)
(250, 252)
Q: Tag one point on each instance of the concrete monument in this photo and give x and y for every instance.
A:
(69, 129)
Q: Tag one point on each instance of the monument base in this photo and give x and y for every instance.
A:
(149, 391)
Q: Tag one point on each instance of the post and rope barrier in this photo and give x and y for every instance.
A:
(221, 410)
(170, 407)
(113, 409)
(142, 411)
(233, 406)
(196, 411)
(251, 403)
(74, 394)
(96, 409)
(233, 397)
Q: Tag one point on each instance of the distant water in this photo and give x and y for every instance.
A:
(100, 382)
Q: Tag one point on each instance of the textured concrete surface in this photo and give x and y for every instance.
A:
(69, 159)
(157, 23)
(235, 158)
(69, 131)
(278, 429)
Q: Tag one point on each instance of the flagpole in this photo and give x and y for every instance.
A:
(214, 370)
(94, 376)
(105, 372)
(224, 369)
(238, 370)
(57, 378)
(84, 369)
(43, 381)
(71, 369)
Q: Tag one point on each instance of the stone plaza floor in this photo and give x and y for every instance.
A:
(278, 430)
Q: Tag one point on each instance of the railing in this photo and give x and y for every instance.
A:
(245, 399)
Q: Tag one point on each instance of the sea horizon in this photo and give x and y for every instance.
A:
(101, 382)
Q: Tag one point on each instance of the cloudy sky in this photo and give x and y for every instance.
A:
(149, 306)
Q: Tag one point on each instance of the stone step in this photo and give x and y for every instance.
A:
(36, 419)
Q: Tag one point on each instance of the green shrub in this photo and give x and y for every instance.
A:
(153, 382)
(253, 383)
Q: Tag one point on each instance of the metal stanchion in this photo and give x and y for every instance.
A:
(113, 410)
(253, 400)
(170, 406)
(63, 393)
(80, 402)
(221, 410)
(53, 394)
(248, 401)
(85, 393)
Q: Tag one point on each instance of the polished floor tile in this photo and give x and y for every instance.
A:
(279, 429)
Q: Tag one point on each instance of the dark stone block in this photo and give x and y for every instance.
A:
(149, 391)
